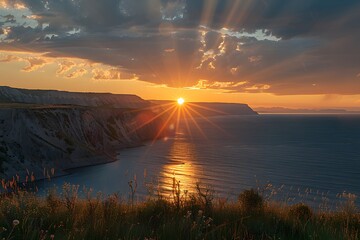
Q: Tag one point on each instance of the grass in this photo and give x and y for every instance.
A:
(199, 215)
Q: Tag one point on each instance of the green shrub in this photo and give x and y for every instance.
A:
(251, 201)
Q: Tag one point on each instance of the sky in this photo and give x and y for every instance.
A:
(267, 53)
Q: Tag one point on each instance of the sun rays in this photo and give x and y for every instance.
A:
(172, 115)
(178, 118)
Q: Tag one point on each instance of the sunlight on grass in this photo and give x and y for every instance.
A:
(72, 213)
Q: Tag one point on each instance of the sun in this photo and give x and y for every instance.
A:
(180, 101)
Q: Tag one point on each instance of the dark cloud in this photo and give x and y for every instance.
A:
(285, 19)
(9, 18)
(94, 15)
(282, 47)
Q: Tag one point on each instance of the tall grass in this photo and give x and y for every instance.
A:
(62, 214)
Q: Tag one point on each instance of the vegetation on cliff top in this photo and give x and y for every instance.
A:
(182, 215)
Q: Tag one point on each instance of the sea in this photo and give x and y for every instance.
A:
(290, 158)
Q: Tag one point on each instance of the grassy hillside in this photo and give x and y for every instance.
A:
(183, 215)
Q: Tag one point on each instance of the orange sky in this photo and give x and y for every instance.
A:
(299, 55)
(46, 77)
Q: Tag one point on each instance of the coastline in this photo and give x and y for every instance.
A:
(95, 160)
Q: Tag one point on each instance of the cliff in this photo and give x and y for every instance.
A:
(14, 95)
(35, 135)
(215, 109)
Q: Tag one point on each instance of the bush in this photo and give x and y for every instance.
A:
(251, 201)
(300, 212)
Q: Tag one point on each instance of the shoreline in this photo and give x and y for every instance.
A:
(99, 160)
(113, 159)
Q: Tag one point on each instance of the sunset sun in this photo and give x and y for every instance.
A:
(180, 101)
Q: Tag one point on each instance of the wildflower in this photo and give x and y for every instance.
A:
(16, 222)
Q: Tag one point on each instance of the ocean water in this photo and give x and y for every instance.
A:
(307, 158)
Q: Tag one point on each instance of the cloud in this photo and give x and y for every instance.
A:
(34, 63)
(39, 61)
(101, 74)
(65, 66)
(77, 73)
(11, 4)
(255, 59)
(293, 47)
(10, 58)
(283, 19)
(9, 18)
(205, 84)
(258, 87)
(173, 10)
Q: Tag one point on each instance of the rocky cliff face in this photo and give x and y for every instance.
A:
(34, 137)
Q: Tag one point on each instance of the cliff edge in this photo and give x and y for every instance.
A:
(40, 130)
(47, 97)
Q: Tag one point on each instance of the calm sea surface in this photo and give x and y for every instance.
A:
(291, 157)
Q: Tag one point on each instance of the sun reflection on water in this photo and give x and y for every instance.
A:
(181, 165)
